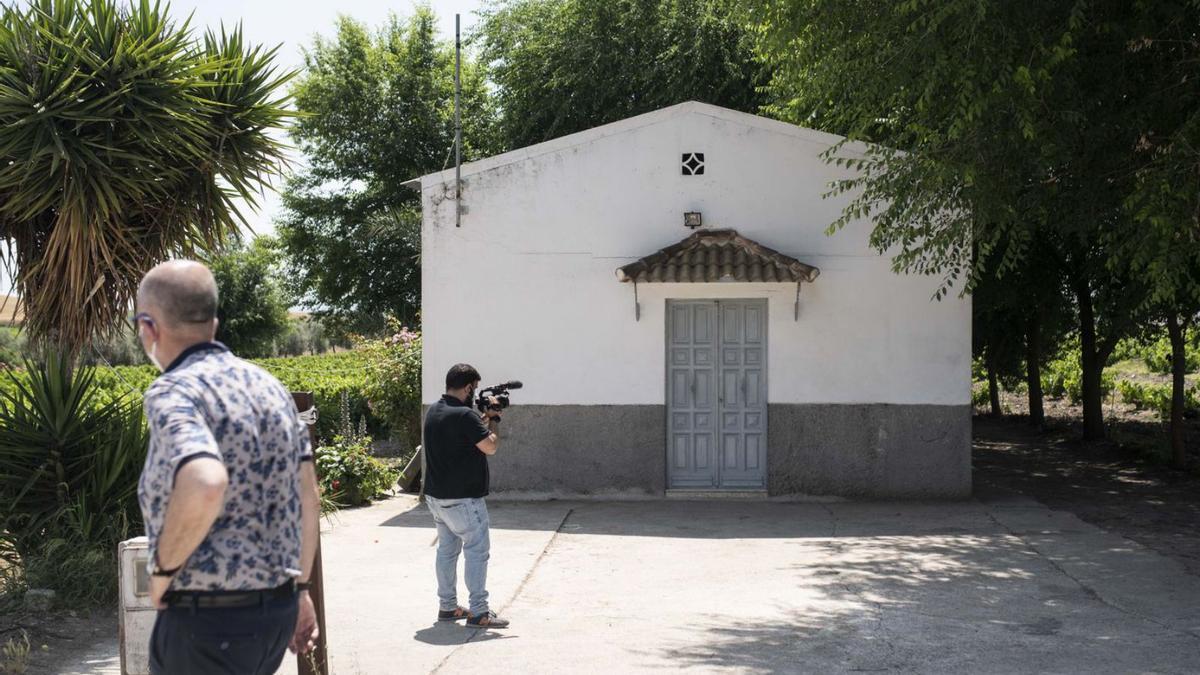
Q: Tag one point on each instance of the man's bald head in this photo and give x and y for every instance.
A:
(180, 293)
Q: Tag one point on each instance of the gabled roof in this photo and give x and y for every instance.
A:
(818, 138)
(717, 255)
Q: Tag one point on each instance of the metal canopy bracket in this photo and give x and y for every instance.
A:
(637, 307)
(797, 317)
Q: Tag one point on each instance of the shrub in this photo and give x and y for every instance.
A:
(1064, 377)
(328, 377)
(979, 395)
(1133, 393)
(1157, 397)
(393, 382)
(12, 345)
(69, 469)
(349, 474)
(1158, 357)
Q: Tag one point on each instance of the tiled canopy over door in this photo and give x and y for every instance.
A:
(716, 394)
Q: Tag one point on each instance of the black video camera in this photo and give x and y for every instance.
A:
(500, 392)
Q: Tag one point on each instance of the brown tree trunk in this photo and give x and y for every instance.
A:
(993, 389)
(1177, 332)
(1033, 370)
(1092, 365)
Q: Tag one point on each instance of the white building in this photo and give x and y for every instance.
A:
(717, 377)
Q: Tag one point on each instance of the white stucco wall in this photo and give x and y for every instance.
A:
(526, 288)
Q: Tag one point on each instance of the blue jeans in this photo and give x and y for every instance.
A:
(462, 525)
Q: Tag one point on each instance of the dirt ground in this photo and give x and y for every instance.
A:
(1116, 485)
(59, 641)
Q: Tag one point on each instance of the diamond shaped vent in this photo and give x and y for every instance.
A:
(693, 164)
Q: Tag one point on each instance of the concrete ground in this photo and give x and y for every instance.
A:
(1001, 584)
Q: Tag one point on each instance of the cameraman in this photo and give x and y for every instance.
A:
(457, 444)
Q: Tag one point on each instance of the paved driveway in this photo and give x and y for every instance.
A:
(1002, 585)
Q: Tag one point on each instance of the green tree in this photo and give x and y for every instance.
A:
(253, 310)
(562, 66)
(1164, 249)
(377, 110)
(999, 127)
(124, 140)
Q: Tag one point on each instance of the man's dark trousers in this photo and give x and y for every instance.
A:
(220, 641)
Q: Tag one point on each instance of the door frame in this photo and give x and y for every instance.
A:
(666, 374)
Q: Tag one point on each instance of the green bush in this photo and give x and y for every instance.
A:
(12, 346)
(1127, 349)
(979, 395)
(1133, 393)
(327, 376)
(1157, 397)
(69, 468)
(350, 475)
(1064, 377)
(1157, 357)
(393, 385)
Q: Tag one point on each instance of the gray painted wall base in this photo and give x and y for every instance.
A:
(874, 450)
(857, 451)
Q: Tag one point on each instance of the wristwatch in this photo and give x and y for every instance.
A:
(157, 571)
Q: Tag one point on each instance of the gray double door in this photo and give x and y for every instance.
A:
(717, 394)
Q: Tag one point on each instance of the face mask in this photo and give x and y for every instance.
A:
(153, 356)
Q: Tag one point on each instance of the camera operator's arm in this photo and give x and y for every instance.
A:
(489, 445)
(489, 435)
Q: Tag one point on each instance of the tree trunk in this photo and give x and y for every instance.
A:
(1177, 332)
(1092, 365)
(993, 389)
(1033, 370)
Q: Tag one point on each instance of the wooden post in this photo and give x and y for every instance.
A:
(315, 662)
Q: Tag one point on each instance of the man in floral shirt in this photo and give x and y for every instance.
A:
(228, 492)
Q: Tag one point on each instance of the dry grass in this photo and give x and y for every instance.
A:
(11, 312)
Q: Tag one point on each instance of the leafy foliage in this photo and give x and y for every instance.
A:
(1157, 357)
(69, 468)
(377, 110)
(563, 66)
(253, 309)
(1158, 398)
(123, 141)
(1063, 376)
(999, 129)
(349, 475)
(393, 383)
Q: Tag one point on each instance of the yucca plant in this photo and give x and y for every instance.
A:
(69, 464)
(124, 140)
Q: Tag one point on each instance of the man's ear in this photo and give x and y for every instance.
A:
(216, 326)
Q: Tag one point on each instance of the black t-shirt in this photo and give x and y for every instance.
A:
(454, 467)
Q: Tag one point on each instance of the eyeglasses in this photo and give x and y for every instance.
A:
(138, 318)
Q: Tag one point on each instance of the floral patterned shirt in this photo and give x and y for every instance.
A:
(209, 403)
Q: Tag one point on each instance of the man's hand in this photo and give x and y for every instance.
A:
(305, 636)
(158, 588)
(490, 413)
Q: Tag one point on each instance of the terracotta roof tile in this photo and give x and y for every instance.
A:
(717, 255)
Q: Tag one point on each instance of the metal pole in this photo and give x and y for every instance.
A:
(457, 122)
(315, 662)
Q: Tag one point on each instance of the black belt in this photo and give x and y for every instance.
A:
(228, 599)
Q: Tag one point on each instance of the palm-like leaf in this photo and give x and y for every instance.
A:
(64, 456)
(123, 141)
